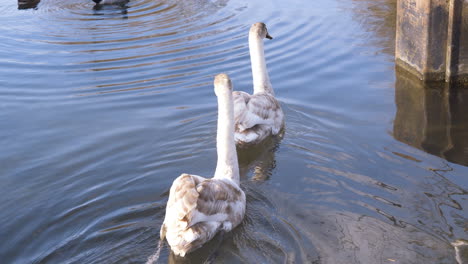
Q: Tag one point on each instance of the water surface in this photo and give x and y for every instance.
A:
(102, 108)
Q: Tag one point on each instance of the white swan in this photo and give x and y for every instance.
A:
(198, 207)
(258, 115)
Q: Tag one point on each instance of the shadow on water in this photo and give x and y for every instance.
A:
(432, 117)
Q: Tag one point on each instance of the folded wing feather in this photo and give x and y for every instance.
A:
(257, 109)
(199, 208)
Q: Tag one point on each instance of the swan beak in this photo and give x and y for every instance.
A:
(268, 36)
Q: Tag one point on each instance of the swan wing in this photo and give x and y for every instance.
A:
(197, 208)
(220, 201)
(182, 201)
(257, 109)
(241, 99)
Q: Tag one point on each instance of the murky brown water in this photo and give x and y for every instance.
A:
(101, 109)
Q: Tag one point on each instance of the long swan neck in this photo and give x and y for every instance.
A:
(228, 165)
(261, 79)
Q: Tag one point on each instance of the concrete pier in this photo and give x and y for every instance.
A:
(432, 39)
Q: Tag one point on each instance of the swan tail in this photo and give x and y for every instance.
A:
(155, 256)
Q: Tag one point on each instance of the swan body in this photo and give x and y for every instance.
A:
(199, 207)
(257, 115)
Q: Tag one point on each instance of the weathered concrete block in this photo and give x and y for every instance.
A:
(457, 52)
(432, 39)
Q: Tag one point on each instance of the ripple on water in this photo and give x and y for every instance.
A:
(112, 103)
(143, 45)
(338, 188)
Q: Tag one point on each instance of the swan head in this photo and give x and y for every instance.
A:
(222, 84)
(260, 29)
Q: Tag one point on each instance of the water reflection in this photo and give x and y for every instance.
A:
(260, 159)
(27, 4)
(378, 17)
(432, 117)
(121, 6)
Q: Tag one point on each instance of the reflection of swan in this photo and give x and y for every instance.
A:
(198, 207)
(259, 158)
(259, 115)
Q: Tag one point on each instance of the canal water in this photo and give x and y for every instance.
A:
(102, 108)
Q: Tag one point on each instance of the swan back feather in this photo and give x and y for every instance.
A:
(198, 208)
(256, 117)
